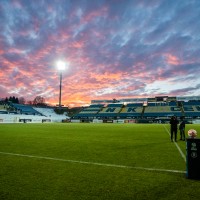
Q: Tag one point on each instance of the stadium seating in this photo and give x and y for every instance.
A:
(191, 109)
(88, 112)
(162, 110)
(146, 110)
(172, 103)
(110, 111)
(132, 110)
(25, 109)
(50, 113)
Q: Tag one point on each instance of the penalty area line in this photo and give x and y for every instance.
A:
(92, 163)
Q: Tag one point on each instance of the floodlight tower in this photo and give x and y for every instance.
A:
(61, 66)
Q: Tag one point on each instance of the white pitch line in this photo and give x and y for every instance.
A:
(180, 151)
(92, 163)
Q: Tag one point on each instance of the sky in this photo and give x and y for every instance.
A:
(116, 49)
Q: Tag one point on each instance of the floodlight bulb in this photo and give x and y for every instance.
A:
(61, 65)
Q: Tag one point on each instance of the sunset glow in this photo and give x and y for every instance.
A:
(111, 49)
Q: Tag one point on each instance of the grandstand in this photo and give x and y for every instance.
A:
(110, 111)
(132, 110)
(50, 113)
(90, 111)
(191, 109)
(138, 109)
(162, 110)
(16, 113)
(24, 109)
(162, 107)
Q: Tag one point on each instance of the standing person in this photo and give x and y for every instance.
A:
(174, 124)
(182, 129)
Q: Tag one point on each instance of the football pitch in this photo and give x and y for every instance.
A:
(93, 161)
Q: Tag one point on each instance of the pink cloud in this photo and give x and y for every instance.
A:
(93, 14)
(172, 60)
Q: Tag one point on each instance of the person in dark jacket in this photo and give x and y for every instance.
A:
(174, 126)
(182, 129)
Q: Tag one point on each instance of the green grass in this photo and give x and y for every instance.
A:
(135, 145)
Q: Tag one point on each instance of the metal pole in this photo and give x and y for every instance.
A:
(60, 90)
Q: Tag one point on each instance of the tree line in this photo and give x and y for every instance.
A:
(38, 100)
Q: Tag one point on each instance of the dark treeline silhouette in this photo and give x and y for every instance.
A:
(12, 99)
(38, 101)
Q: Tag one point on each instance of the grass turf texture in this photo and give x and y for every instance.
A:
(136, 145)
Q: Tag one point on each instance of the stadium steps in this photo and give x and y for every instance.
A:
(182, 110)
(143, 110)
(121, 109)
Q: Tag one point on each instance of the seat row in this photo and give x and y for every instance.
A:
(139, 110)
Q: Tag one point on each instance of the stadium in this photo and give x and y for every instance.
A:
(108, 150)
(100, 100)
(138, 110)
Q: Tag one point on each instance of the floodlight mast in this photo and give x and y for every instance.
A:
(60, 90)
(61, 67)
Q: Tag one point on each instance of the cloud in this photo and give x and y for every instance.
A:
(116, 49)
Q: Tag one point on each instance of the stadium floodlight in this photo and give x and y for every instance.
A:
(61, 66)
